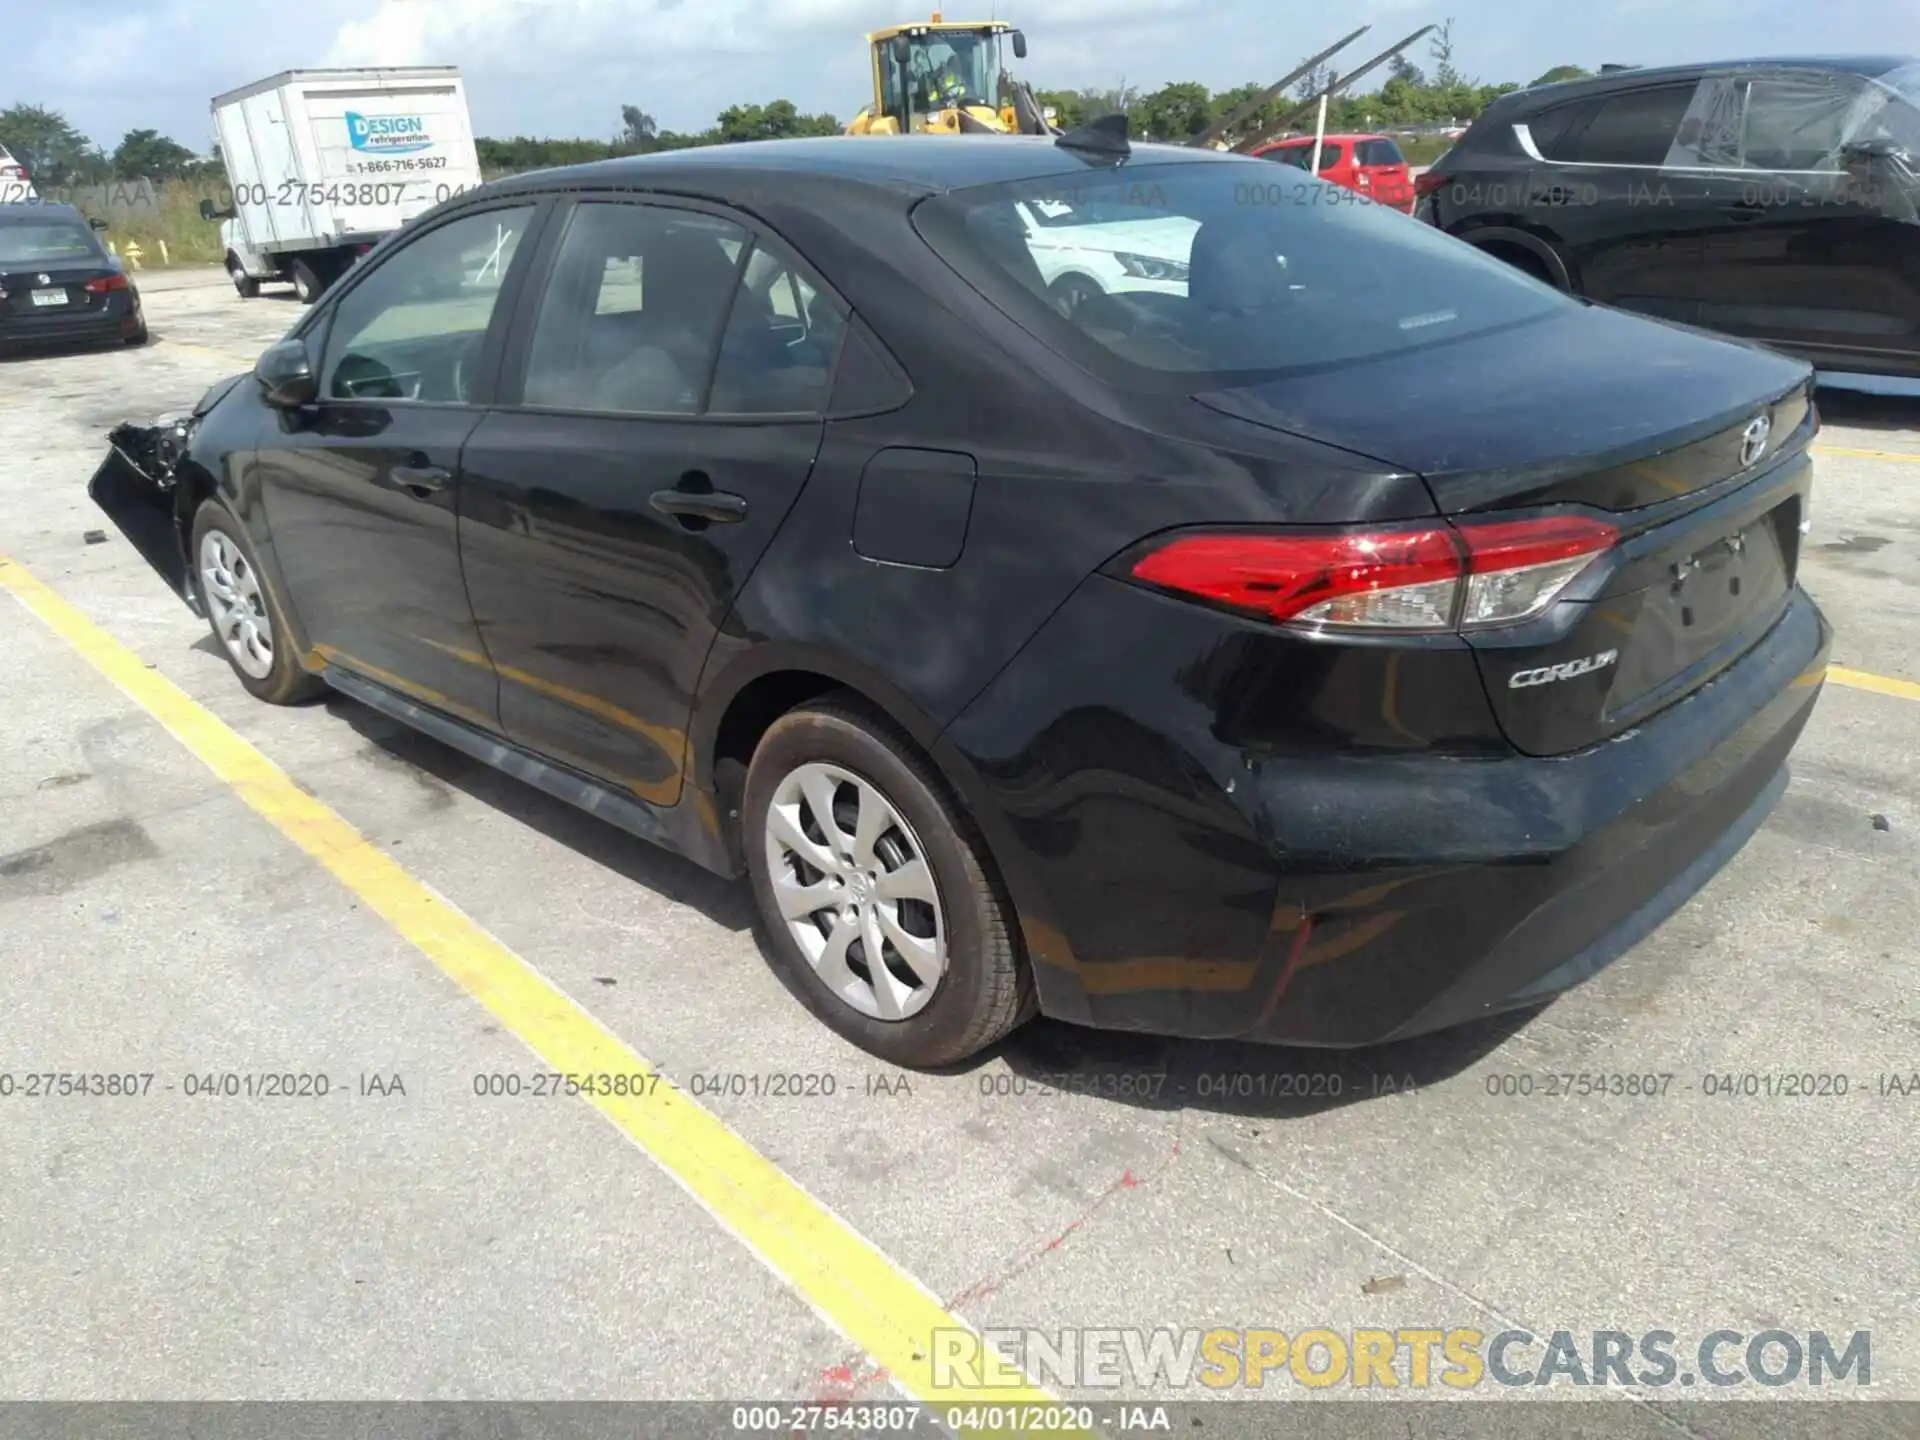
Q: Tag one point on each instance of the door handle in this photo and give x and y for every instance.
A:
(1743, 210)
(420, 481)
(706, 506)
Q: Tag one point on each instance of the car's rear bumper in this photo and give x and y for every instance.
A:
(1347, 899)
(86, 328)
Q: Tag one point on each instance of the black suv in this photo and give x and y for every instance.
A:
(1770, 199)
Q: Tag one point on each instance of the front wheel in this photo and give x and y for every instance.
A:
(245, 284)
(874, 890)
(251, 631)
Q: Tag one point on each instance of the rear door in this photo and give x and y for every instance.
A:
(1632, 228)
(661, 412)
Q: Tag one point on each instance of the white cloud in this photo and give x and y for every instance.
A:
(565, 67)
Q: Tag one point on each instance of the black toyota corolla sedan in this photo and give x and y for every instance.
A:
(1334, 636)
(58, 283)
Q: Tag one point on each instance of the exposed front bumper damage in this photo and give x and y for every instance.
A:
(137, 485)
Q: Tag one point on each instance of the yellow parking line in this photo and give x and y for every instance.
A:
(225, 357)
(1905, 456)
(850, 1283)
(1879, 684)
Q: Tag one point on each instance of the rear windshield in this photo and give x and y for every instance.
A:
(1377, 152)
(1220, 267)
(46, 243)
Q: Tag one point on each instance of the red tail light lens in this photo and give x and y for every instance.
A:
(1427, 182)
(1465, 577)
(105, 283)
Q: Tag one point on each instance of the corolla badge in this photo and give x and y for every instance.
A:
(1753, 441)
(1547, 674)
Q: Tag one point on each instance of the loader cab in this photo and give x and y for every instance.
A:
(925, 76)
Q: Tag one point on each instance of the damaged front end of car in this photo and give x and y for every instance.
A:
(146, 487)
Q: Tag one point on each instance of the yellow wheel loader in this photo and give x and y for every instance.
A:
(948, 77)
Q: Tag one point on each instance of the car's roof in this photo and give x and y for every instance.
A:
(21, 211)
(1641, 74)
(905, 165)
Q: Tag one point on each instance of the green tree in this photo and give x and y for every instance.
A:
(52, 150)
(776, 120)
(150, 155)
(1173, 112)
(1402, 69)
(1561, 72)
(1445, 77)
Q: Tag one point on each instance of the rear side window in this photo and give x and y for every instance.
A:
(1634, 128)
(1266, 280)
(633, 311)
(1378, 152)
(783, 337)
(1554, 130)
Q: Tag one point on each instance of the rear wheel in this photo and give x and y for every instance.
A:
(1524, 260)
(248, 287)
(874, 891)
(242, 613)
(309, 281)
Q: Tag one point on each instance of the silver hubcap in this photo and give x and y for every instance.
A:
(235, 605)
(853, 883)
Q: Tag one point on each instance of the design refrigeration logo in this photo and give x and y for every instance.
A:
(1440, 1357)
(387, 134)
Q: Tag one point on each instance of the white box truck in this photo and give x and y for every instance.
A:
(324, 164)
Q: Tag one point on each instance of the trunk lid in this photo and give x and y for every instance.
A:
(1640, 423)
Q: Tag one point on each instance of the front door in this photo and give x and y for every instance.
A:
(669, 402)
(361, 494)
(1804, 254)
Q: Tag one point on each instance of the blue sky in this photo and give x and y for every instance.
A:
(564, 67)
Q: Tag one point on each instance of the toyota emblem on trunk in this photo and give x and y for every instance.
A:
(43, 279)
(1753, 440)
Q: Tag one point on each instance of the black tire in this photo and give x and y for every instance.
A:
(285, 683)
(1072, 292)
(309, 283)
(141, 336)
(245, 284)
(986, 990)
(1525, 261)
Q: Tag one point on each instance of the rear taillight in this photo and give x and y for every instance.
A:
(1415, 581)
(1427, 182)
(105, 283)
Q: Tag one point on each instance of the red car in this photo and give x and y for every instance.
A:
(1370, 164)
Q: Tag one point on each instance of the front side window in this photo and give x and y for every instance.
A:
(414, 329)
(1378, 152)
(634, 310)
(1266, 281)
(1301, 156)
(1798, 121)
(52, 242)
